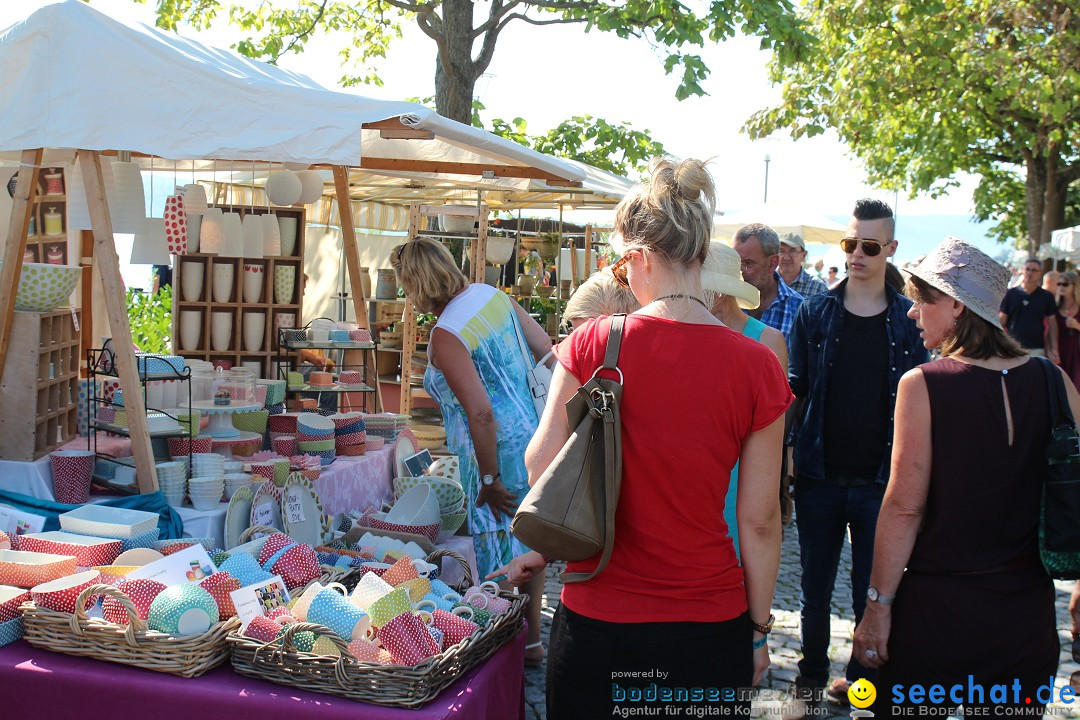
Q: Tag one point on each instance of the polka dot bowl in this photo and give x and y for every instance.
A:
(185, 609)
(43, 287)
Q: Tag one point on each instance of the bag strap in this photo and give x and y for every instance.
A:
(1060, 414)
(612, 456)
(519, 333)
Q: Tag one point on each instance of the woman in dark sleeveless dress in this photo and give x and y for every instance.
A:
(961, 512)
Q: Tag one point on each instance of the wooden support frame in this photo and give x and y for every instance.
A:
(352, 260)
(461, 168)
(108, 264)
(588, 251)
(18, 225)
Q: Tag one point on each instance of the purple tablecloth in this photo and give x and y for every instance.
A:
(354, 483)
(40, 684)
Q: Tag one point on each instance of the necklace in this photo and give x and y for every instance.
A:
(685, 297)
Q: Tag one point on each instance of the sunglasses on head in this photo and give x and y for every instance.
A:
(618, 271)
(870, 247)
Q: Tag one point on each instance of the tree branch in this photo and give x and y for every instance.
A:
(298, 37)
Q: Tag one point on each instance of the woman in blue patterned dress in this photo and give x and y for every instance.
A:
(477, 374)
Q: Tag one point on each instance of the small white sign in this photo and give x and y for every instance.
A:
(264, 514)
(294, 505)
(17, 522)
(259, 599)
(191, 564)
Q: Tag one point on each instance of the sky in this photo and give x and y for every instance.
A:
(545, 74)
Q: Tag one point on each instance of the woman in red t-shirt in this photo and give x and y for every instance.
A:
(673, 619)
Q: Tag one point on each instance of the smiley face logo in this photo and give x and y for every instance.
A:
(862, 693)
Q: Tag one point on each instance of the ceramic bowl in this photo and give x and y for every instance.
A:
(44, 287)
(453, 521)
(418, 506)
(429, 437)
(184, 609)
(141, 592)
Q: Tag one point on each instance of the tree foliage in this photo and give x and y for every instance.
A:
(924, 89)
(464, 48)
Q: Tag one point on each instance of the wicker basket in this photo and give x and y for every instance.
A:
(344, 676)
(131, 644)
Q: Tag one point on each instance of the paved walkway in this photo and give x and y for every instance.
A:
(784, 642)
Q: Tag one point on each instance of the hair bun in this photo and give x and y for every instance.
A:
(692, 179)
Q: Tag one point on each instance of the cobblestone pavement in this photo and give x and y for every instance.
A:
(784, 641)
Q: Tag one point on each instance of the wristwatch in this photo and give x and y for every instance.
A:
(489, 479)
(873, 595)
(766, 628)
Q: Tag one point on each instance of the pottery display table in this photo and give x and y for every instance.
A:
(41, 684)
(220, 418)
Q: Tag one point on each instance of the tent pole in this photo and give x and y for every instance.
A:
(18, 225)
(108, 265)
(352, 260)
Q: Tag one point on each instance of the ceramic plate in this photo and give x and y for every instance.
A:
(403, 448)
(302, 511)
(138, 557)
(265, 509)
(237, 516)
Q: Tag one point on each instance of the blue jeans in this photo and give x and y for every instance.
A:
(823, 512)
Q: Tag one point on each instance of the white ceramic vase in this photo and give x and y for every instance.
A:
(190, 329)
(223, 281)
(194, 230)
(254, 330)
(271, 235)
(284, 284)
(253, 236)
(253, 282)
(221, 327)
(287, 232)
(192, 275)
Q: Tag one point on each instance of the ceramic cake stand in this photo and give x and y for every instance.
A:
(221, 426)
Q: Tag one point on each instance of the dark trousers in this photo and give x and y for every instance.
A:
(592, 665)
(824, 511)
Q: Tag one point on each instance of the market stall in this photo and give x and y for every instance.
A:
(203, 425)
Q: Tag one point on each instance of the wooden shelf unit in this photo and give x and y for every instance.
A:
(237, 353)
(42, 248)
(42, 374)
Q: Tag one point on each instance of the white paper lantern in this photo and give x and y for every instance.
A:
(271, 235)
(149, 246)
(234, 235)
(212, 232)
(253, 236)
(312, 183)
(284, 188)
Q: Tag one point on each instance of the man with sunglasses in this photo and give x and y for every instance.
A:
(1025, 311)
(849, 347)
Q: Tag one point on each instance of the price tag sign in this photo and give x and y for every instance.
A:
(294, 506)
(264, 514)
(75, 319)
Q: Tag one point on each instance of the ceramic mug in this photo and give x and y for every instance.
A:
(303, 603)
(190, 329)
(332, 609)
(253, 282)
(407, 639)
(284, 284)
(223, 281)
(221, 330)
(455, 627)
(389, 606)
(254, 330)
(370, 588)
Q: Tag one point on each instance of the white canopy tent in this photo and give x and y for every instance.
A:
(783, 219)
(1064, 245)
(79, 80)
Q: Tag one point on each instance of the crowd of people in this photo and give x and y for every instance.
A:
(740, 367)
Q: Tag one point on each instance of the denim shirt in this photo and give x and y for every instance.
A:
(813, 348)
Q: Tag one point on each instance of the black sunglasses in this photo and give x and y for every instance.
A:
(1064, 284)
(870, 247)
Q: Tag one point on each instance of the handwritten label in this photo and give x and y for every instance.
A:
(75, 319)
(264, 514)
(294, 506)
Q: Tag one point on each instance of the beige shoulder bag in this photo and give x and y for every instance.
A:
(569, 513)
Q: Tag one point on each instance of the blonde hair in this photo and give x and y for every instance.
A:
(671, 214)
(1074, 282)
(600, 295)
(427, 273)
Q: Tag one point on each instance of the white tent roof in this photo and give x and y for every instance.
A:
(76, 78)
(783, 219)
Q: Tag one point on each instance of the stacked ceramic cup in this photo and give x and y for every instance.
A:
(172, 480)
(234, 481)
(206, 491)
(315, 436)
(207, 481)
(349, 433)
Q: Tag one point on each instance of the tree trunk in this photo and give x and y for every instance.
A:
(455, 74)
(1035, 190)
(1046, 193)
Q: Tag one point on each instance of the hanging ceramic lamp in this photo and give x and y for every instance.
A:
(252, 227)
(150, 246)
(311, 183)
(283, 188)
(194, 198)
(212, 232)
(271, 235)
(234, 235)
(127, 203)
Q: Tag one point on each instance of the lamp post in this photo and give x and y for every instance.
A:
(767, 159)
